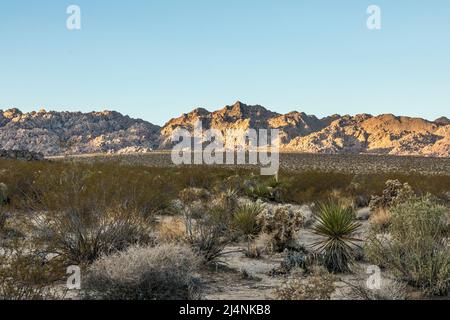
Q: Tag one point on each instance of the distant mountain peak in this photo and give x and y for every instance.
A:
(442, 121)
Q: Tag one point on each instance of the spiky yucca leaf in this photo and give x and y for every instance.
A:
(335, 223)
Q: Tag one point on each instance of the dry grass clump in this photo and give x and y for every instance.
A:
(416, 245)
(391, 290)
(259, 245)
(318, 285)
(380, 219)
(281, 224)
(171, 229)
(165, 272)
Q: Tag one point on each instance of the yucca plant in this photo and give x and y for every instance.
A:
(336, 224)
(245, 219)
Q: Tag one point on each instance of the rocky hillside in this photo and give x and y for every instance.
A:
(56, 133)
(241, 116)
(364, 133)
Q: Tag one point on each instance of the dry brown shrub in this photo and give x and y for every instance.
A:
(164, 272)
(318, 285)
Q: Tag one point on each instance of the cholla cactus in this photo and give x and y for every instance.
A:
(282, 224)
(394, 194)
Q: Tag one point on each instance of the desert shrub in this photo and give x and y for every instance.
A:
(81, 237)
(390, 290)
(394, 193)
(164, 272)
(245, 219)
(282, 224)
(318, 285)
(4, 198)
(259, 245)
(59, 185)
(25, 275)
(269, 190)
(336, 225)
(208, 226)
(192, 195)
(3, 201)
(416, 246)
(298, 259)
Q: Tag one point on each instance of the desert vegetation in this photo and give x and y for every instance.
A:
(152, 232)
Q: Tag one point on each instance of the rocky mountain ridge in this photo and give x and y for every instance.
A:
(58, 133)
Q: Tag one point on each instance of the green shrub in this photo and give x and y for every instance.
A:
(336, 225)
(165, 272)
(416, 248)
(24, 275)
(269, 190)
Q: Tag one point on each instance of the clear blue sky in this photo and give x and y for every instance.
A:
(155, 59)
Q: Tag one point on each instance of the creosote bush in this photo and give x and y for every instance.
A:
(80, 237)
(24, 275)
(416, 246)
(209, 225)
(164, 272)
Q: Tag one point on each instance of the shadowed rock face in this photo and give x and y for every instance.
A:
(53, 133)
(21, 155)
